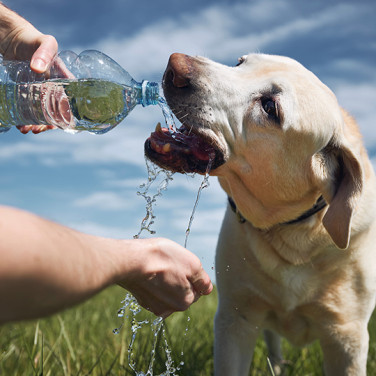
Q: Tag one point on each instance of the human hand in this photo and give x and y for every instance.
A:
(19, 40)
(165, 277)
(40, 49)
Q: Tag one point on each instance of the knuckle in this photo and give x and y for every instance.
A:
(186, 302)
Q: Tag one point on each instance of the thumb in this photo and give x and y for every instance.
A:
(201, 283)
(45, 53)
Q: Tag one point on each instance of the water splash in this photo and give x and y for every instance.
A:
(157, 326)
(153, 173)
(167, 113)
(159, 332)
(204, 184)
(130, 303)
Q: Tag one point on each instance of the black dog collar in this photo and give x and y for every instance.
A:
(320, 204)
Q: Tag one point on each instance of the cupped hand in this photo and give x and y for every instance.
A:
(165, 277)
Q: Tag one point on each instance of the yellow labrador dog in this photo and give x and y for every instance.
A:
(296, 254)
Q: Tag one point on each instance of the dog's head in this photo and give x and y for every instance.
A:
(272, 132)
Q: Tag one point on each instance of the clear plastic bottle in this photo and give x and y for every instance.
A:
(89, 91)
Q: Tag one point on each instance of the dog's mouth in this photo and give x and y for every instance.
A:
(194, 147)
(184, 150)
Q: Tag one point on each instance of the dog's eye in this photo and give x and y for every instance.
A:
(270, 106)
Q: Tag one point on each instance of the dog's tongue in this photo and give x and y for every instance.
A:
(166, 142)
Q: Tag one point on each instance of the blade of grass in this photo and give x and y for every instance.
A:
(270, 366)
(66, 337)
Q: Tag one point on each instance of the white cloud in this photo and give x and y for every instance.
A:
(124, 144)
(106, 200)
(205, 221)
(24, 148)
(357, 99)
(220, 32)
(93, 228)
(213, 32)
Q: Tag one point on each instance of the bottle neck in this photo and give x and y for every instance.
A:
(149, 93)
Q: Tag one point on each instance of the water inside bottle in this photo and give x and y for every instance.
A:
(86, 104)
(73, 105)
(94, 104)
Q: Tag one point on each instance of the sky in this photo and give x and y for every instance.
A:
(90, 182)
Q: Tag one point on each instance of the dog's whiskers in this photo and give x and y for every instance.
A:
(182, 117)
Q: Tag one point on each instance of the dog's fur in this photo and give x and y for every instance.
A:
(285, 142)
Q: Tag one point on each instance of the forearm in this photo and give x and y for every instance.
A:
(46, 267)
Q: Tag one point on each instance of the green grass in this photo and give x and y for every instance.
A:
(80, 341)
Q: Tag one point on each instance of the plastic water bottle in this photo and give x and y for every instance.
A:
(89, 91)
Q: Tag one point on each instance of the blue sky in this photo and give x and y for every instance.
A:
(89, 182)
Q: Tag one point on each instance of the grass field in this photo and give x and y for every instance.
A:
(80, 341)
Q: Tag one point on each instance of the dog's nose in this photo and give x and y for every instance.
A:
(179, 70)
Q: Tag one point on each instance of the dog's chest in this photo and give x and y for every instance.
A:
(296, 286)
(295, 291)
(285, 277)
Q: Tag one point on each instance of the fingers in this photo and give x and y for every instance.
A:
(45, 53)
(34, 128)
(164, 300)
(201, 283)
(165, 277)
(202, 287)
(153, 304)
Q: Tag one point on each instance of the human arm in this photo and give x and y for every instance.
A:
(46, 267)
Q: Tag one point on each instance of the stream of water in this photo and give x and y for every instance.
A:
(129, 304)
(204, 184)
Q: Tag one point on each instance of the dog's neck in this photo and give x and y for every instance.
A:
(319, 205)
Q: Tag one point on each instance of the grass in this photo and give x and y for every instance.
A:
(80, 341)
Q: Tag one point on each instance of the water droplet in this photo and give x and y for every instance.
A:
(121, 312)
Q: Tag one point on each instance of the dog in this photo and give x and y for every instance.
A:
(296, 253)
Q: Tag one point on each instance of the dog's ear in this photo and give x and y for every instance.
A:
(349, 185)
